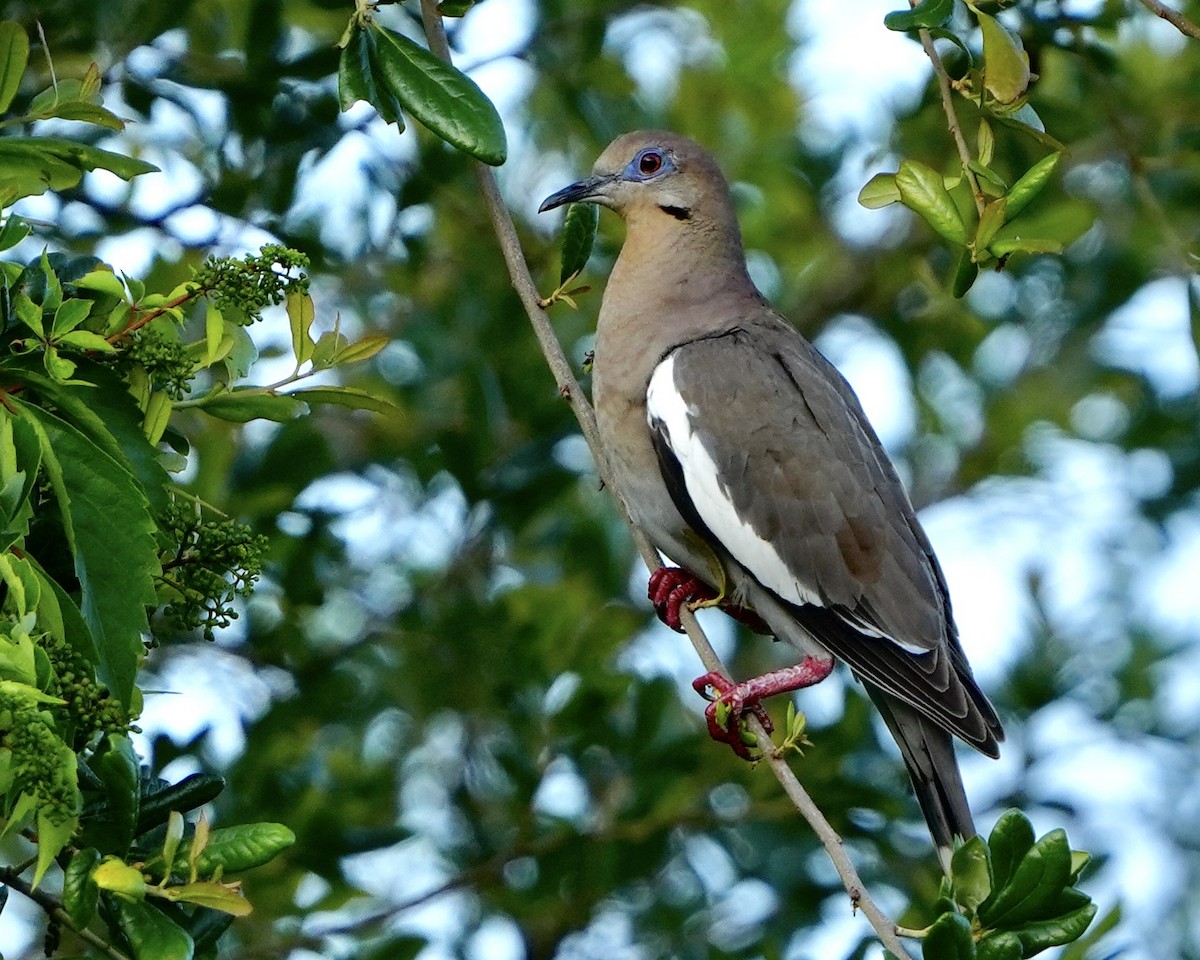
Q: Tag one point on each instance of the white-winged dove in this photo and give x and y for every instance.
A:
(746, 458)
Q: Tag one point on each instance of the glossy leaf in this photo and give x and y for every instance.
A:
(1011, 838)
(994, 217)
(358, 77)
(949, 939)
(578, 236)
(1030, 184)
(923, 191)
(152, 935)
(999, 946)
(1043, 934)
(927, 13)
(116, 763)
(238, 848)
(80, 893)
(1039, 879)
(964, 274)
(351, 397)
(244, 405)
(1005, 65)
(879, 191)
(971, 873)
(443, 98)
(14, 55)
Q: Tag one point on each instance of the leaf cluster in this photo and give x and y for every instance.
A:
(1010, 897)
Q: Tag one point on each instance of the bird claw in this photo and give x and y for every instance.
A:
(671, 588)
(729, 702)
(725, 714)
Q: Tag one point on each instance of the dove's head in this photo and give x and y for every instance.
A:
(651, 177)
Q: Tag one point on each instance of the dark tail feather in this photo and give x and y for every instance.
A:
(928, 753)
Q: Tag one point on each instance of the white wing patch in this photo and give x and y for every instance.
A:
(665, 406)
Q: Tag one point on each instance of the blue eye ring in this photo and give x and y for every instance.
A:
(649, 163)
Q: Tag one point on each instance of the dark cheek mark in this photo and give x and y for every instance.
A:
(679, 213)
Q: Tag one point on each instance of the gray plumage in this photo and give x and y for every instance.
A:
(746, 458)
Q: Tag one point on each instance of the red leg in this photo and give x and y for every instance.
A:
(732, 700)
(672, 587)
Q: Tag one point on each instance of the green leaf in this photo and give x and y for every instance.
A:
(214, 332)
(1009, 841)
(205, 893)
(242, 353)
(70, 314)
(964, 274)
(971, 873)
(54, 830)
(327, 350)
(252, 403)
(116, 876)
(109, 416)
(999, 946)
(985, 142)
(1030, 184)
(102, 280)
(80, 892)
(347, 397)
(86, 341)
(86, 112)
(949, 939)
(1005, 65)
(14, 55)
(1038, 881)
(992, 220)
(152, 935)
(238, 848)
(13, 232)
(362, 349)
(358, 78)
(78, 156)
(300, 311)
(927, 13)
(111, 535)
(879, 191)
(189, 793)
(443, 98)
(1006, 247)
(923, 191)
(579, 233)
(116, 764)
(1043, 934)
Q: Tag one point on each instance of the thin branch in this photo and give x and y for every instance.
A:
(522, 281)
(964, 152)
(1173, 17)
(55, 909)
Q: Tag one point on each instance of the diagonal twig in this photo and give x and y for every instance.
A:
(568, 385)
(1173, 17)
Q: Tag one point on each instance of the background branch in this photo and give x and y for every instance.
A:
(568, 385)
(50, 904)
(1173, 17)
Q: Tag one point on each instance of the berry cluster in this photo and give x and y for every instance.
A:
(208, 565)
(166, 361)
(255, 282)
(37, 757)
(89, 708)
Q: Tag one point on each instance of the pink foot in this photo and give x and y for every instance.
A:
(672, 587)
(725, 710)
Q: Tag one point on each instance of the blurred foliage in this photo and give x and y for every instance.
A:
(439, 684)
